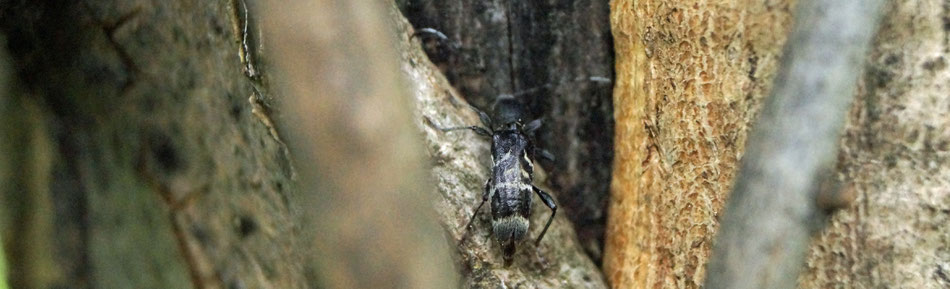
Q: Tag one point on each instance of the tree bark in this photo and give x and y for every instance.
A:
(350, 122)
(460, 167)
(141, 149)
(547, 54)
(690, 79)
(895, 156)
(774, 208)
(144, 158)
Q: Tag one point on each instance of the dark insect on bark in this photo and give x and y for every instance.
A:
(513, 152)
(510, 185)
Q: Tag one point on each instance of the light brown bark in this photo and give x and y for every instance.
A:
(350, 121)
(893, 157)
(690, 78)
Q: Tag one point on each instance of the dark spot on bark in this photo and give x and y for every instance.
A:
(236, 284)
(280, 186)
(936, 64)
(941, 274)
(879, 78)
(890, 161)
(891, 59)
(943, 146)
(246, 226)
(165, 153)
(913, 135)
(753, 66)
(201, 235)
(216, 27)
(236, 111)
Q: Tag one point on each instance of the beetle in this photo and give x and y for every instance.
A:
(510, 186)
(513, 151)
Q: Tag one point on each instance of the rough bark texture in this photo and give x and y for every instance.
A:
(893, 155)
(690, 79)
(896, 155)
(142, 163)
(791, 151)
(460, 167)
(145, 159)
(350, 121)
(550, 49)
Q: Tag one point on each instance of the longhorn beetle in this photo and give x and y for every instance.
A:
(512, 151)
(510, 187)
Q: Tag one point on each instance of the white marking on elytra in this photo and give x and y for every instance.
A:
(513, 185)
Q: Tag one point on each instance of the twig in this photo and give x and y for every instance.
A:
(772, 210)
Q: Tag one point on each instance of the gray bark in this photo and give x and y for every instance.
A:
(895, 155)
(792, 148)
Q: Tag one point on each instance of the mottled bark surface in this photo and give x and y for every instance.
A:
(774, 209)
(893, 155)
(896, 156)
(460, 167)
(690, 79)
(550, 50)
(142, 162)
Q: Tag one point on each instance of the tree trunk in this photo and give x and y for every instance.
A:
(142, 162)
(893, 157)
(141, 149)
(557, 59)
(690, 79)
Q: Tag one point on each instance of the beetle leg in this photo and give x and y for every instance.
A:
(545, 154)
(532, 126)
(484, 198)
(548, 201)
(477, 129)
